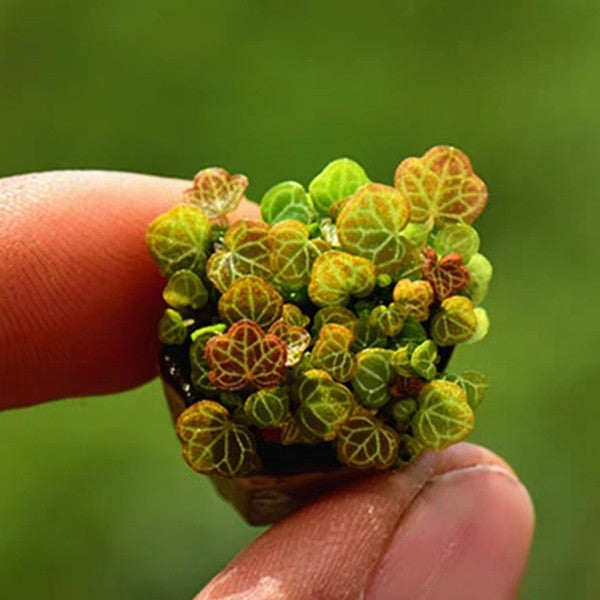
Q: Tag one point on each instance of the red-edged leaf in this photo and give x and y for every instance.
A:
(245, 357)
(248, 253)
(296, 340)
(216, 192)
(447, 276)
(441, 185)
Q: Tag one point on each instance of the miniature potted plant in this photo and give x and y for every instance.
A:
(303, 349)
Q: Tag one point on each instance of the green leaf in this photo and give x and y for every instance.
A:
(332, 353)
(417, 234)
(409, 449)
(293, 253)
(444, 416)
(212, 443)
(370, 225)
(480, 269)
(293, 315)
(293, 433)
(336, 276)
(178, 239)
(367, 336)
(388, 319)
(400, 360)
(457, 237)
(423, 359)
(287, 200)
(185, 290)
(172, 328)
(334, 314)
(364, 442)
(250, 298)
(454, 322)
(402, 412)
(483, 326)
(339, 179)
(267, 407)
(324, 404)
(372, 378)
(412, 331)
(208, 331)
(474, 384)
(198, 365)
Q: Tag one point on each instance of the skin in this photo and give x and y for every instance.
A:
(455, 524)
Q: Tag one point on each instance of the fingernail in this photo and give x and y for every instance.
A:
(467, 535)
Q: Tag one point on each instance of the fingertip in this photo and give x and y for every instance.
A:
(79, 296)
(334, 547)
(467, 535)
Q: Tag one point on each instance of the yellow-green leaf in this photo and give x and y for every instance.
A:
(250, 298)
(293, 253)
(454, 322)
(332, 354)
(172, 328)
(364, 442)
(185, 290)
(480, 271)
(287, 200)
(212, 443)
(413, 298)
(370, 225)
(473, 383)
(324, 404)
(267, 407)
(338, 179)
(336, 276)
(423, 359)
(444, 416)
(372, 378)
(178, 239)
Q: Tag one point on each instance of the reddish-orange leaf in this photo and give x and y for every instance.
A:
(406, 387)
(245, 357)
(446, 276)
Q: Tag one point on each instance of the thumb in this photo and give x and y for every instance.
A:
(456, 524)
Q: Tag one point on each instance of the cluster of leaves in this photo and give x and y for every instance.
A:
(332, 320)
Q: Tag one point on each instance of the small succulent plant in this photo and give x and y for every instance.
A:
(325, 329)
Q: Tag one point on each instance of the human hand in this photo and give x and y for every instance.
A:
(79, 298)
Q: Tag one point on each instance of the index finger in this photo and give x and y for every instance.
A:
(79, 295)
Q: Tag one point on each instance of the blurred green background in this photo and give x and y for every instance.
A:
(90, 508)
